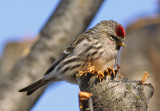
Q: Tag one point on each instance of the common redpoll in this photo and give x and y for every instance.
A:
(98, 46)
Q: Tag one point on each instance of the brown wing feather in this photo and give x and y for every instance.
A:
(67, 52)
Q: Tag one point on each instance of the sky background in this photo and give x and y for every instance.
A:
(22, 18)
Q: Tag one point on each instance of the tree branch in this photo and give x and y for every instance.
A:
(117, 94)
(69, 20)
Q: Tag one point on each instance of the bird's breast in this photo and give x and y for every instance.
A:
(105, 59)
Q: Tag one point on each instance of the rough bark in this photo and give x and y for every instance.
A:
(142, 53)
(115, 95)
(69, 20)
(13, 52)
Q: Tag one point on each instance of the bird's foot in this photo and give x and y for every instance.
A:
(110, 71)
(80, 73)
(117, 69)
(92, 70)
(100, 75)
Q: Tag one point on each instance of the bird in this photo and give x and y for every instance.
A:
(98, 46)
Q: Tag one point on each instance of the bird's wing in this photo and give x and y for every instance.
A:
(66, 52)
(63, 56)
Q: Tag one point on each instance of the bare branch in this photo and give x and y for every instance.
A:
(69, 20)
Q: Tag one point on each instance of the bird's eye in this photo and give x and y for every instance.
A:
(114, 38)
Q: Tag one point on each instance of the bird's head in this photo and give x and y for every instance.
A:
(115, 31)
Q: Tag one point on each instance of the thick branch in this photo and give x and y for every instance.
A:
(116, 95)
(70, 19)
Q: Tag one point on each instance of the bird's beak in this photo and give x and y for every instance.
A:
(120, 43)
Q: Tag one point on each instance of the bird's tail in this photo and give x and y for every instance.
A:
(33, 87)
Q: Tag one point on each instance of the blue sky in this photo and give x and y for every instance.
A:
(20, 18)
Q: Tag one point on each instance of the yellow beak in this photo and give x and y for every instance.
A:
(120, 43)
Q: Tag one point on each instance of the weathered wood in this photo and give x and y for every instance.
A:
(117, 94)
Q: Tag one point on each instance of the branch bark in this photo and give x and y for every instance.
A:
(115, 95)
(69, 20)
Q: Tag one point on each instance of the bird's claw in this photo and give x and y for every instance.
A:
(100, 75)
(80, 73)
(92, 70)
(111, 72)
